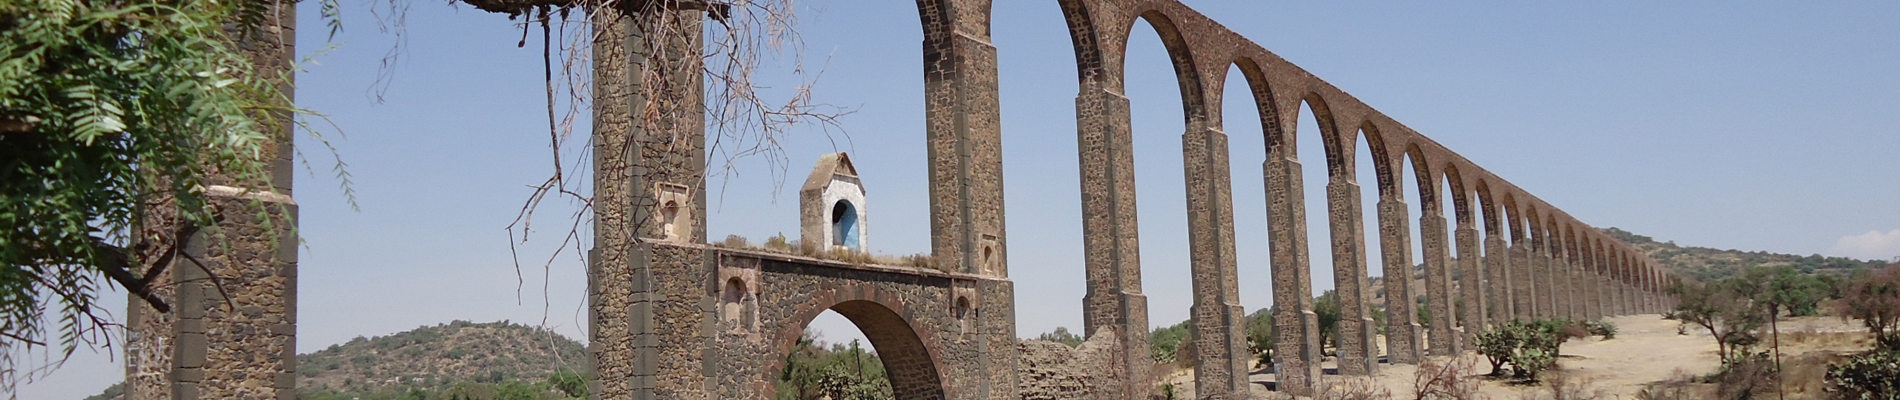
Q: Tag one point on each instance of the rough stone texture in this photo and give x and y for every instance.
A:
(1219, 320)
(1497, 268)
(1401, 323)
(640, 314)
(1054, 371)
(1438, 285)
(1614, 262)
(1625, 293)
(1601, 280)
(1523, 286)
(231, 333)
(1471, 319)
(936, 332)
(1358, 352)
(1546, 293)
(1296, 347)
(1562, 278)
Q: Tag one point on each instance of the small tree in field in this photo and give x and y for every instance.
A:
(1874, 299)
(1725, 308)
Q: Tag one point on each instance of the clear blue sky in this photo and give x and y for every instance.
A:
(1749, 125)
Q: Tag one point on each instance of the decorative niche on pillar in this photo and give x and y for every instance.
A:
(831, 206)
(964, 308)
(674, 212)
(738, 281)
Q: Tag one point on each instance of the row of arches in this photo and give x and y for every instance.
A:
(1503, 253)
(1500, 251)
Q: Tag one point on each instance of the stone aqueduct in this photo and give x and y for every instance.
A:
(675, 318)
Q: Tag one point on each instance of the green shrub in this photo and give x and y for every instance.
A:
(569, 382)
(1870, 375)
(1529, 348)
(1499, 343)
(1063, 336)
(1529, 362)
(1165, 343)
(1747, 376)
(1601, 328)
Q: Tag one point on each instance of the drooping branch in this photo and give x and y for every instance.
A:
(716, 9)
(118, 265)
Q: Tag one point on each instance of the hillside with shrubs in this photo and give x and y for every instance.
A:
(1709, 264)
(439, 358)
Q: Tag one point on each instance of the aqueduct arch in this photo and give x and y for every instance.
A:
(672, 317)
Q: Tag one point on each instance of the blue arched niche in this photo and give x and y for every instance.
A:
(844, 224)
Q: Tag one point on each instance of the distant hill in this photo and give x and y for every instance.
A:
(1704, 264)
(457, 360)
(456, 351)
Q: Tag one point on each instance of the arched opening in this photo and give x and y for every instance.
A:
(1519, 264)
(1497, 293)
(963, 314)
(820, 364)
(1371, 169)
(1466, 268)
(844, 225)
(1247, 110)
(1415, 195)
(737, 305)
(670, 224)
(1538, 254)
(1319, 162)
(1158, 115)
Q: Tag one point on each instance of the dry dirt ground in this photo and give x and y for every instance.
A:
(1647, 350)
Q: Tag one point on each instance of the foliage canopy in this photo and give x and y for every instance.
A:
(110, 110)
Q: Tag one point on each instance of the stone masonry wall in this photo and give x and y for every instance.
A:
(231, 332)
(1055, 371)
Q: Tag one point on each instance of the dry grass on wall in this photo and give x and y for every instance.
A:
(781, 245)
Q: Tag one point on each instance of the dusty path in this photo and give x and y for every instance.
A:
(1646, 350)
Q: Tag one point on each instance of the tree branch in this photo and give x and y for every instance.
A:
(119, 267)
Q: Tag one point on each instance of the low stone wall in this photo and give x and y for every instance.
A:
(1054, 371)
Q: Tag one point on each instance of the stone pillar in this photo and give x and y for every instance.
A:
(1579, 281)
(1606, 297)
(641, 157)
(1401, 308)
(1592, 300)
(231, 331)
(1643, 290)
(1619, 284)
(1523, 283)
(1645, 301)
(1438, 292)
(1111, 249)
(1631, 304)
(1497, 269)
(1649, 290)
(1626, 293)
(1547, 281)
(1220, 357)
(1563, 278)
(1358, 352)
(1470, 284)
(1635, 287)
(963, 132)
(1296, 348)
